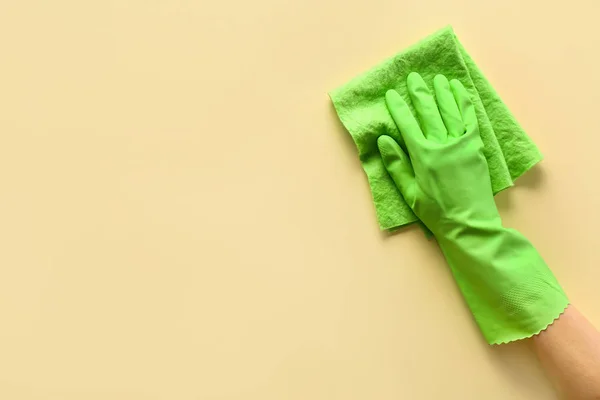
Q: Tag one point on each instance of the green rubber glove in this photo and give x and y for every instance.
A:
(446, 181)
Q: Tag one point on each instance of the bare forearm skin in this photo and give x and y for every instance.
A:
(569, 350)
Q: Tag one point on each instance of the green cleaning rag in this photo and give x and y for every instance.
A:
(361, 107)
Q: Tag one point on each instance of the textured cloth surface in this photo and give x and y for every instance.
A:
(361, 107)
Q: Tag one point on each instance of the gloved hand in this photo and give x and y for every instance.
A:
(507, 285)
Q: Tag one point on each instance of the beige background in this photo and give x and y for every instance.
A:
(182, 216)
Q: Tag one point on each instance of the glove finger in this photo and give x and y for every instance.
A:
(407, 125)
(465, 105)
(427, 110)
(447, 106)
(398, 166)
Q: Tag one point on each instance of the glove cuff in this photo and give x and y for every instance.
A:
(509, 288)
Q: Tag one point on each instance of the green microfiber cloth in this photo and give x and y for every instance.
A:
(361, 107)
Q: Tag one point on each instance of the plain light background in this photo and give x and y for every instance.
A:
(182, 216)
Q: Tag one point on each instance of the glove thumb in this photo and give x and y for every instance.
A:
(399, 167)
